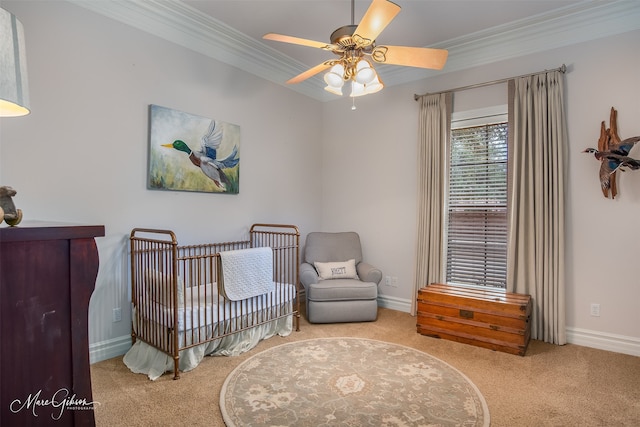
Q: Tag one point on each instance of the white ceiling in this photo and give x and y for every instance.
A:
(475, 32)
(420, 23)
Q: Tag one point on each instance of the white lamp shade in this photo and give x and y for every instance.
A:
(373, 87)
(357, 89)
(334, 90)
(334, 77)
(14, 91)
(365, 72)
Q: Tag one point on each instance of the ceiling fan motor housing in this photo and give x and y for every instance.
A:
(353, 47)
(343, 36)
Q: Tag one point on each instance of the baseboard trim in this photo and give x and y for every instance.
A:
(109, 349)
(604, 341)
(584, 337)
(394, 303)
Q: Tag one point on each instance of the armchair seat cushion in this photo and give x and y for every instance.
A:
(342, 290)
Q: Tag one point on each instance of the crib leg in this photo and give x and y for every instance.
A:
(298, 322)
(176, 370)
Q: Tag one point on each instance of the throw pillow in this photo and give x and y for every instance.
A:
(336, 270)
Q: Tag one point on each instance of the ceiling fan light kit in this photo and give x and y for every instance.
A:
(351, 43)
(364, 79)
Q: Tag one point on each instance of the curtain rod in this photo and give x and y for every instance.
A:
(562, 69)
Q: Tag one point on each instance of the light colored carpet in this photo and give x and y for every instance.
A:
(349, 381)
(551, 385)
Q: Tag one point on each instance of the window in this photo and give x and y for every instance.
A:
(476, 232)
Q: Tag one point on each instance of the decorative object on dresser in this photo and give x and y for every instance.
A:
(613, 154)
(47, 276)
(349, 382)
(8, 211)
(484, 317)
(209, 299)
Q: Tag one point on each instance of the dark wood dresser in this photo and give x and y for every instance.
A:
(47, 275)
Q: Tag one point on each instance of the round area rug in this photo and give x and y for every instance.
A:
(349, 381)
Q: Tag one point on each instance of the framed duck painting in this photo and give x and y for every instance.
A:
(192, 153)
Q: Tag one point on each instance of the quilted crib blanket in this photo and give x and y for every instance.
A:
(246, 273)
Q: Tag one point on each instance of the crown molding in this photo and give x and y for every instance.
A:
(179, 23)
(570, 25)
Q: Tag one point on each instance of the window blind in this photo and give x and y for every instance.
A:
(477, 206)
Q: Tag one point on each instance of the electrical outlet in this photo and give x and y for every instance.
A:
(595, 310)
(117, 314)
(391, 281)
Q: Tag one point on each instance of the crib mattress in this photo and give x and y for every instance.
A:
(201, 312)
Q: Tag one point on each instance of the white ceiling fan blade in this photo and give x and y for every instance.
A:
(376, 18)
(310, 72)
(299, 41)
(422, 57)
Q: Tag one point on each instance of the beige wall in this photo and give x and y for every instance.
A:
(81, 157)
(369, 177)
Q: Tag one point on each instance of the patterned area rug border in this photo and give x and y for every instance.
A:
(346, 380)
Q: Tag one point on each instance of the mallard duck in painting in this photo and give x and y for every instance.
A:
(206, 158)
(613, 155)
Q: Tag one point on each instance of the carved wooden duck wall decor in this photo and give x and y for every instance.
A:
(613, 154)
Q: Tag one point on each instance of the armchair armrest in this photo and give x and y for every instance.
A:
(368, 273)
(308, 274)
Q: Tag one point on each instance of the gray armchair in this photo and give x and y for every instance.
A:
(339, 286)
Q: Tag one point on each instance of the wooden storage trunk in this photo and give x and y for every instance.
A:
(484, 317)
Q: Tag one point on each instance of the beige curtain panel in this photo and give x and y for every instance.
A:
(434, 130)
(536, 247)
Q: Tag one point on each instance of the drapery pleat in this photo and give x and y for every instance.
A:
(536, 243)
(434, 129)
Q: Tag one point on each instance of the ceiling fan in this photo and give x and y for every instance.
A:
(354, 44)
